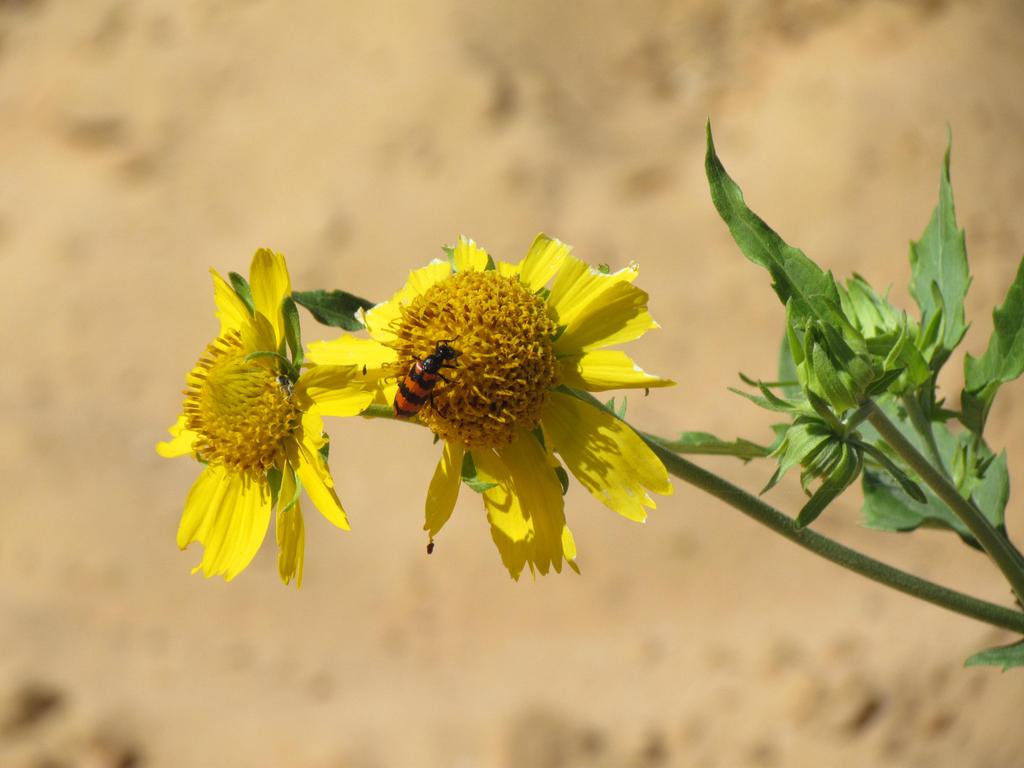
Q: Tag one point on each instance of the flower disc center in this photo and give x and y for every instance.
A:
(241, 410)
(505, 365)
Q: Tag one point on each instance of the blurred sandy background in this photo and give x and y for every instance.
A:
(143, 142)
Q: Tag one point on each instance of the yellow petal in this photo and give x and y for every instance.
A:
(228, 514)
(542, 261)
(444, 487)
(606, 369)
(231, 310)
(467, 256)
(525, 509)
(309, 465)
(380, 320)
(291, 531)
(387, 392)
(349, 350)
(336, 390)
(258, 335)
(268, 278)
(597, 309)
(578, 284)
(181, 440)
(377, 359)
(203, 500)
(605, 455)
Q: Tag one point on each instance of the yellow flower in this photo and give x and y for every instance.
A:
(256, 431)
(502, 408)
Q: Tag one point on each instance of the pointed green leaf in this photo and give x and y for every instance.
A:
(1005, 656)
(992, 491)
(795, 277)
(1003, 360)
(334, 308)
(939, 274)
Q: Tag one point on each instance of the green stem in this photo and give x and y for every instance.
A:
(823, 546)
(923, 427)
(990, 613)
(1003, 553)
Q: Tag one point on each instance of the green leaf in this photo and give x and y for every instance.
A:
(292, 330)
(1005, 656)
(1003, 360)
(241, 286)
(325, 449)
(334, 308)
(885, 509)
(795, 277)
(470, 476)
(978, 476)
(992, 491)
(939, 275)
(707, 444)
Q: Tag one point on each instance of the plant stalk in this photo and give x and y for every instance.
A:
(924, 428)
(1006, 557)
(753, 507)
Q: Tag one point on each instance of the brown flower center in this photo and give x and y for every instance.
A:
(242, 410)
(498, 383)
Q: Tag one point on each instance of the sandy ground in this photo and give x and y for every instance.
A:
(143, 142)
